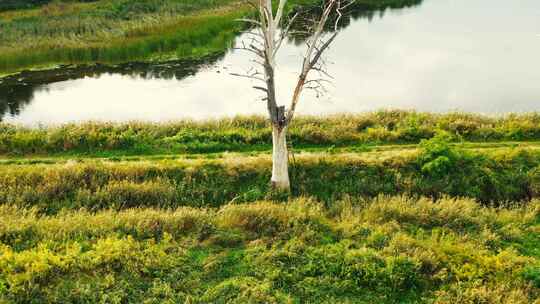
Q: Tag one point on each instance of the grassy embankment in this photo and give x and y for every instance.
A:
(203, 226)
(113, 31)
(341, 133)
(389, 250)
(199, 164)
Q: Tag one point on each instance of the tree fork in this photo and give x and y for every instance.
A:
(265, 45)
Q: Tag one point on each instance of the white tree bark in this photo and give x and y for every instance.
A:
(265, 44)
(280, 160)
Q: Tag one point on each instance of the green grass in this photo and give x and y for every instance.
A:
(386, 207)
(368, 151)
(104, 165)
(111, 31)
(118, 31)
(246, 134)
(386, 250)
(434, 169)
(7, 5)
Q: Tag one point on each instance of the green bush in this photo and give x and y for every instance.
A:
(449, 170)
(532, 274)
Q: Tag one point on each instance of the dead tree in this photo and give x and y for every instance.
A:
(269, 29)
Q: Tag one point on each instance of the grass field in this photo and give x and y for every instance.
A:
(385, 208)
(385, 250)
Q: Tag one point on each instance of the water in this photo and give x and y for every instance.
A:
(443, 55)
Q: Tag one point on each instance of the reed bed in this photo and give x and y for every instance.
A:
(120, 31)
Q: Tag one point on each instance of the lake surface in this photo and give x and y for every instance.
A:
(442, 55)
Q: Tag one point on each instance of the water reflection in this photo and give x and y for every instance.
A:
(351, 12)
(19, 90)
(479, 56)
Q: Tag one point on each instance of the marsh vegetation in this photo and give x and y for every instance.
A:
(385, 207)
(388, 250)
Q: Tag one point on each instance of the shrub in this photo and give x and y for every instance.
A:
(532, 274)
(448, 170)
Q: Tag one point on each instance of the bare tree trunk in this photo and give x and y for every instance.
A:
(280, 160)
(264, 44)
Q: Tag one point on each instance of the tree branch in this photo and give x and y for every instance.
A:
(314, 52)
